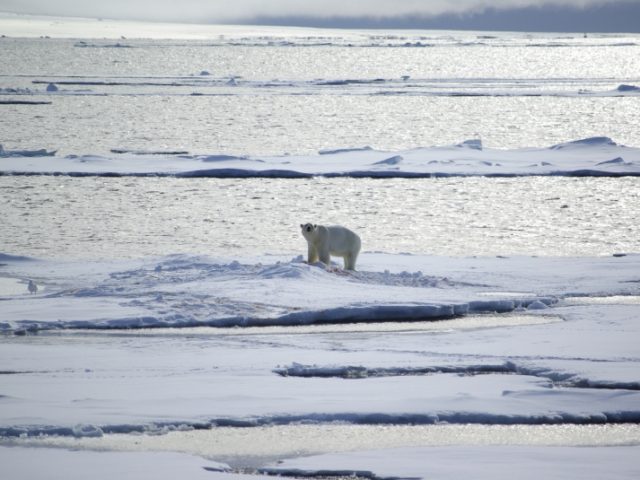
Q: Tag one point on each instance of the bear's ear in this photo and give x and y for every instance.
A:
(315, 226)
(301, 226)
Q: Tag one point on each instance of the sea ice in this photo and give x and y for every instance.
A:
(586, 157)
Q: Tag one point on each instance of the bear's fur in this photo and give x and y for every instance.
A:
(335, 240)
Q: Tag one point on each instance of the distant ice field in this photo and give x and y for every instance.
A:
(300, 92)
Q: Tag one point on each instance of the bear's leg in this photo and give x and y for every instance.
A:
(312, 256)
(325, 257)
(350, 261)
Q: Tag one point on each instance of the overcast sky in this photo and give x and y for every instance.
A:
(550, 15)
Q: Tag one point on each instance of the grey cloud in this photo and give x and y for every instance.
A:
(243, 10)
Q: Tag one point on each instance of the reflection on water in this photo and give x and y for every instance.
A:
(470, 322)
(133, 217)
(253, 447)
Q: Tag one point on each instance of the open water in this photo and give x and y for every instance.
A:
(252, 95)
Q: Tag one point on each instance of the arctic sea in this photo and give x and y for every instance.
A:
(153, 179)
(256, 92)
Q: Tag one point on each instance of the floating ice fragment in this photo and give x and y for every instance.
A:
(537, 305)
(586, 142)
(628, 88)
(345, 150)
(26, 153)
(83, 430)
(474, 144)
(219, 158)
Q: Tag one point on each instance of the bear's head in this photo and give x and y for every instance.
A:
(307, 229)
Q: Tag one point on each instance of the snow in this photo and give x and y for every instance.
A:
(187, 291)
(27, 463)
(597, 156)
(471, 462)
(476, 462)
(574, 362)
(478, 367)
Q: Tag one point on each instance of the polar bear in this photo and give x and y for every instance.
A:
(326, 241)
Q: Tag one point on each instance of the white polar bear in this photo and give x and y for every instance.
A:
(326, 241)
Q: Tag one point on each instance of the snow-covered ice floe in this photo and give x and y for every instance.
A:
(596, 156)
(204, 84)
(467, 462)
(480, 463)
(18, 463)
(189, 291)
(580, 367)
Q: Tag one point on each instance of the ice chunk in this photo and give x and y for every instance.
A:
(474, 144)
(26, 153)
(586, 142)
(395, 160)
(628, 88)
(537, 305)
(345, 150)
(83, 430)
(615, 161)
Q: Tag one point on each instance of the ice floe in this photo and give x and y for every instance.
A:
(25, 153)
(186, 291)
(596, 156)
(518, 373)
(466, 462)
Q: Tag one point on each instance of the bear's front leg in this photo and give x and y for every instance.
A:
(312, 256)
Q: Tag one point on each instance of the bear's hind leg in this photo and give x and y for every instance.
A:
(350, 261)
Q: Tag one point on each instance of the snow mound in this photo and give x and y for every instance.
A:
(618, 161)
(186, 291)
(395, 160)
(586, 142)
